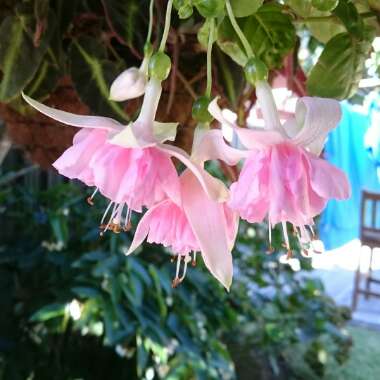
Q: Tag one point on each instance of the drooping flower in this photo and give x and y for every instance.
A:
(130, 164)
(283, 177)
(196, 223)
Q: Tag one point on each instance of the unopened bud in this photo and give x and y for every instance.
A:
(129, 84)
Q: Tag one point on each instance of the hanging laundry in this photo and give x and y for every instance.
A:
(346, 149)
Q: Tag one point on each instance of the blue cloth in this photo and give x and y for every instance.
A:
(345, 149)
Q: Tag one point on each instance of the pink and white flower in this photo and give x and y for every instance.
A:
(197, 223)
(130, 164)
(283, 177)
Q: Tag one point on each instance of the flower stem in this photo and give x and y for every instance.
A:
(167, 25)
(150, 27)
(238, 31)
(209, 56)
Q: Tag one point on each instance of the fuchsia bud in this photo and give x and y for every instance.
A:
(129, 84)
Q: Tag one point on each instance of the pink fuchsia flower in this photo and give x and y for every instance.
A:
(198, 223)
(122, 160)
(283, 177)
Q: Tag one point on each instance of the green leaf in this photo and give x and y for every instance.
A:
(203, 33)
(47, 312)
(86, 291)
(19, 58)
(339, 68)
(244, 8)
(348, 14)
(270, 33)
(158, 288)
(92, 74)
(229, 43)
(302, 7)
(323, 31)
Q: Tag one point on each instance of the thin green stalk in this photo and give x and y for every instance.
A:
(167, 25)
(149, 35)
(209, 56)
(238, 31)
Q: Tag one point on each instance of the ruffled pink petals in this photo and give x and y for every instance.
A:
(74, 162)
(166, 224)
(249, 195)
(286, 184)
(137, 177)
(198, 224)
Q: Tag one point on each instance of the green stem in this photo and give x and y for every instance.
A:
(238, 31)
(150, 28)
(209, 56)
(167, 25)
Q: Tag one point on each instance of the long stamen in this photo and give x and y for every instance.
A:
(127, 223)
(115, 225)
(286, 237)
(194, 261)
(312, 231)
(271, 249)
(90, 199)
(114, 211)
(176, 280)
(105, 213)
(186, 260)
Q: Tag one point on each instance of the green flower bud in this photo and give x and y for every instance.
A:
(325, 5)
(210, 8)
(159, 66)
(200, 112)
(255, 70)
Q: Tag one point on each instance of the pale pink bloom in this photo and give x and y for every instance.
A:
(129, 164)
(283, 178)
(198, 223)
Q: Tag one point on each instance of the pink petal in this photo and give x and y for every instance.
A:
(142, 229)
(137, 177)
(74, 120)
(268, 106)
(213, 187)
(328, 181)
(166, 224)
(74, 163)
(316, 117)
(213, 147)
(250, 195)
(251, 138)
(208, 223)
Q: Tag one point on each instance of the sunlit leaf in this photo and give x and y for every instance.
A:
(339, 69)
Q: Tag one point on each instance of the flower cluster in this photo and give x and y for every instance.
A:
(282, 180)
